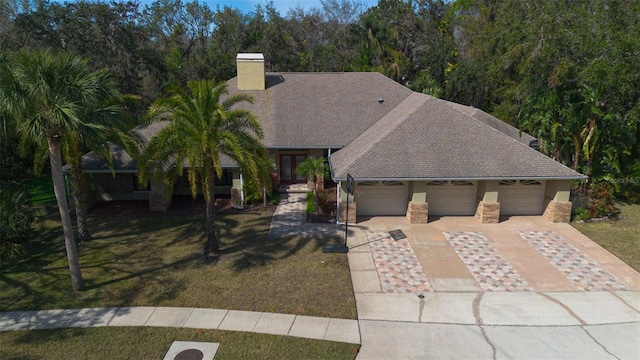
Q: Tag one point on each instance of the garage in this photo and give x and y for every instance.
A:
(521, 197)
(381, 197)
(451, 197)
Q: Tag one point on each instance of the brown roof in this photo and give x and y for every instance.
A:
(325, 110)
(431, 139)
(383, 131)
(122, 161)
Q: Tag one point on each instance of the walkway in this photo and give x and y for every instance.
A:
(342, 330)
(290, 219)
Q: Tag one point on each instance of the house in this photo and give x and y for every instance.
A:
(411, 154)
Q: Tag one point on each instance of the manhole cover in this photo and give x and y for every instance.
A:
(190, 354)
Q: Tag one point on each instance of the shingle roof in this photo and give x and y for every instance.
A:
(434, 140)
(122, 161)
(321, 109)
(384, 131)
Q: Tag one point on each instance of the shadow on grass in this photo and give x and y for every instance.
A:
(142, 259)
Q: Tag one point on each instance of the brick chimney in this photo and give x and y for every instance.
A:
(250, 71)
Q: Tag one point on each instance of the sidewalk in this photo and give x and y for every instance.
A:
(342, 330)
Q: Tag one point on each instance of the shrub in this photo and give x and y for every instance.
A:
(17, 217)
(311, 206)
(582, 214)
(601, 201)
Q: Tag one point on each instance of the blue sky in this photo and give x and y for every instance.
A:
(283, 6)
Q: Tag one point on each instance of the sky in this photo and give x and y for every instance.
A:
(283, 6)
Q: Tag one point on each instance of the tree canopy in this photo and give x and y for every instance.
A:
(564, 71)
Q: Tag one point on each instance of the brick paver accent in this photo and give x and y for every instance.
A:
(487, 265)
(580, 269)
(397, 265)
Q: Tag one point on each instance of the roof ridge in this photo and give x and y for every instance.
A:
(384, 126)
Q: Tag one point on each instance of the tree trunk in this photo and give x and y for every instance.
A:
(55, 157)
(80, 199)
(212, 245)
(315, 198)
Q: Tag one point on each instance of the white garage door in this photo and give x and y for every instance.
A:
(522, 197)
(381, 197)
(451, 197)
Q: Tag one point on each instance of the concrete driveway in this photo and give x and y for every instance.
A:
(524, 288)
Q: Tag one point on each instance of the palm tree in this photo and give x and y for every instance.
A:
(47, 96)
(313, 169)
(203, 124)
(110, 113)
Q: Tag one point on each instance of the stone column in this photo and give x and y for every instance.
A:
(418, 208)
(558, 211)
(236, 189)
(559, 207)
(157, 199)
(488, 210)
(418, 213)
(488, 213)
(352, 212)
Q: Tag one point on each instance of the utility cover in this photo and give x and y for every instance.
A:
(397, 235)
(335, 248)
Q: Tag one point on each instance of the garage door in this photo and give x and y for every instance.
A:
(451, 197)
(381, 197)
(522, 197)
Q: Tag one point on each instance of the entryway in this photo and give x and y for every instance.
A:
(288, 165)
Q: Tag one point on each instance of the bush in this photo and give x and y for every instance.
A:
(17, 219)
(311, 206)
(582, 214)
(601, 201)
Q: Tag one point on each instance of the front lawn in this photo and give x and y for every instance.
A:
(153, 343)
(139, 258)
(620, 237)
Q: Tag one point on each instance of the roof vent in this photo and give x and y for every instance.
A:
(534, 145)
(380, 100)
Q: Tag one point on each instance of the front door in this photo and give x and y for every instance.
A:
(288, 165)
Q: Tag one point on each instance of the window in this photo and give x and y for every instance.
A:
(436, 183)
(367, 183)
(392, 183)
(530, 182)
(507, 182)
(462, 183)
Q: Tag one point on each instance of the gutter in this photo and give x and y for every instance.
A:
(582, 177)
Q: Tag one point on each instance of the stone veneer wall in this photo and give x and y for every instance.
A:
(418, 213)
(558, 211)
(352, 212)
(488, 213)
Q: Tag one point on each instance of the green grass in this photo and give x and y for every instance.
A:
(153, 343)
(41, 190)
(155, 260)
(619, 237)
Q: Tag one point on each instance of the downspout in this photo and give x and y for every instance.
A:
(241, 191)
(338, 202)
